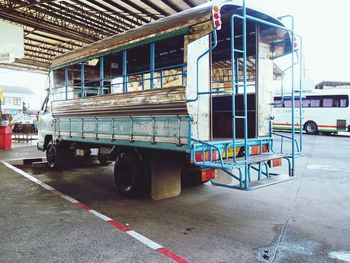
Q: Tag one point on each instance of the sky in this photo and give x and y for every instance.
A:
(322, 24)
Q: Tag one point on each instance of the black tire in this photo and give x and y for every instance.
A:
(58, 156)
(311, 128)
(131, 175)
(51, 155)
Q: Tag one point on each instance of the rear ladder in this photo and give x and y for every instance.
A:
(215, 155)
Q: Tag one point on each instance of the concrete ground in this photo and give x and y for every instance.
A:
(303, 220)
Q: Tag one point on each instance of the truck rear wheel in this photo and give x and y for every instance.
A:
(130, 174)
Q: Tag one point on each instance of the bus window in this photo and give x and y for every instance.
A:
(315, 102)
(296, 103)
(327, 102)
(344, 102)
(340, 101)
(306, 103)
(287, 103)
(277, 102)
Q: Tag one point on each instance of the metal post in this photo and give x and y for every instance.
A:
(125, 72)
(301, 96)
(102, 76)
(246, 152)
(152, 65)
(66, 82)
(82, 81)
(293, 98)
(234, 81)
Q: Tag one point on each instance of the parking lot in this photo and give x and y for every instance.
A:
(303, 220)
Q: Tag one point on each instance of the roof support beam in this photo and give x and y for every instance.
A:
(141, 10)
(155, 7)
(127, 11)
(45, 26)
(172, 5)
(131, 23)
(80, 16)
(51, 37)
(106, 19)
(189, 3)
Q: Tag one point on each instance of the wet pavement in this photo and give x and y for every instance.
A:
(303, 220)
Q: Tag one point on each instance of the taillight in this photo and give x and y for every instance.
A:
(216, 17)
(208, 175)
(199, 156)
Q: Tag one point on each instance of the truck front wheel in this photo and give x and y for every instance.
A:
(58, 156)
(51, 155)
(130, 174)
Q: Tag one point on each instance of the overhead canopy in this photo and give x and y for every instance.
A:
(54, 27)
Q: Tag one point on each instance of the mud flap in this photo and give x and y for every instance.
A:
(166, 174)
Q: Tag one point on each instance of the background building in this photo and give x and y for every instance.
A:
(15, 99)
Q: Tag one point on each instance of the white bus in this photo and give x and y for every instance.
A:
(325, 111)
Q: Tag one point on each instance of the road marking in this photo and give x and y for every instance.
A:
(172, 255)
(70, 199)
(117, 225)
(340, 255)
(102, 216)
(326, 167)
(144, 239)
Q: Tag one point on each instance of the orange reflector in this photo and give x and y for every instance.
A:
(208, 174)
(255, 150)
(276, 162)
(216, 8)
(265, 148)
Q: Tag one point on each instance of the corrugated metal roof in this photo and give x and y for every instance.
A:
(54, 27)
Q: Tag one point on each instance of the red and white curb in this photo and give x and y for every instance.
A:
(117, 225)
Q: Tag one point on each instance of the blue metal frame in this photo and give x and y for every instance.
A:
(102, 73)
(125, 72)
(82, 80)
(152, 64)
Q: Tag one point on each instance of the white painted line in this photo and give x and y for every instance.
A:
(26, 175)
(70, 199)
(326, 167)
(102, 216)
(15, 161)
(144, 239)
(340, 255)
(46, 186)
